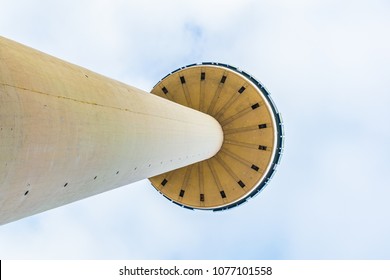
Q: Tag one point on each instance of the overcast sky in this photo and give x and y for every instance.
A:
(327, 66)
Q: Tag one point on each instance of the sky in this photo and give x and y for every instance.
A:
(327, 66)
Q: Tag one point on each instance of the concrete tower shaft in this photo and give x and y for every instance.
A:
(67, 133)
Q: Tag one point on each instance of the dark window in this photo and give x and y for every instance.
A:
(164, 182)
(223, 194)
(182, 80)
(201, 197)
(223, 79)
(202, 76)
(262, 147)
(241, 90)
(254, 106)
(241, 183)
(255, 167)
(263, 125)
(164, 89)
(181, 193)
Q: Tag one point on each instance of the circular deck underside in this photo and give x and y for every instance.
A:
(253, 137)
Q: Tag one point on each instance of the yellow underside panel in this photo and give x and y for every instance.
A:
(249, 137)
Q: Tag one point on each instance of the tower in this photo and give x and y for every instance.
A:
(208, 137)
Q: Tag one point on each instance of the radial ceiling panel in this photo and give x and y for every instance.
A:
(253, 137)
